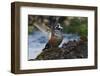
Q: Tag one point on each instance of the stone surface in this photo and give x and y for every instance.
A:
(70, 50)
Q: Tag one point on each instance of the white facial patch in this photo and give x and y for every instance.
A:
(59, 26)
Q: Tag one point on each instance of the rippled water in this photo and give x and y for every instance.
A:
(37, 41)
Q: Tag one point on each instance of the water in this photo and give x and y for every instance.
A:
(37, 41)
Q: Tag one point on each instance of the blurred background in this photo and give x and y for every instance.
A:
(74, 28)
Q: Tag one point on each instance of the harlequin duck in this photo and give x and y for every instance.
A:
(55, 38)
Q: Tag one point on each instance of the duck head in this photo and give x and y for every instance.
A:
(58, 27)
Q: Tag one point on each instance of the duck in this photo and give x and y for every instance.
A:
(55, 38)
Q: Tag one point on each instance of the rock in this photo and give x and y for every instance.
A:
(52, 53)
(70, 50)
